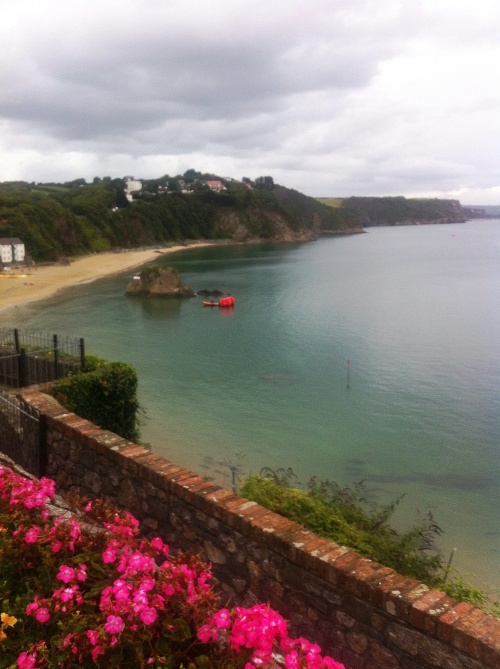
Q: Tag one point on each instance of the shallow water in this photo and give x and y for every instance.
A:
(415, 410)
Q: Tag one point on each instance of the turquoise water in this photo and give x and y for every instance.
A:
(416, 410)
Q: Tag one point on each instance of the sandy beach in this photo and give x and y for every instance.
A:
(24, 285)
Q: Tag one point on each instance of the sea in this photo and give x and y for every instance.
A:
(369, 358)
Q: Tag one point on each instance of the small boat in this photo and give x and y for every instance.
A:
(210, 304)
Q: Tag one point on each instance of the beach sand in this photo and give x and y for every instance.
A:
(26, 285)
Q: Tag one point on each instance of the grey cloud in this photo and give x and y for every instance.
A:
(328, 93)
(132, 78)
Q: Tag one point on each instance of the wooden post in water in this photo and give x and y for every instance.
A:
(348, 374)
(233, 476)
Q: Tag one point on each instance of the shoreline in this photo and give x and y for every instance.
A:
(34, 284)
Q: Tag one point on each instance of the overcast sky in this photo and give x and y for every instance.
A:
(331, 97)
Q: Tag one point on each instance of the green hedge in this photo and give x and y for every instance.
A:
(106, 394)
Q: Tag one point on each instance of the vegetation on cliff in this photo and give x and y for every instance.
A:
(76, 218)
(370, 211)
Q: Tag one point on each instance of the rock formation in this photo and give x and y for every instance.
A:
(158, 281)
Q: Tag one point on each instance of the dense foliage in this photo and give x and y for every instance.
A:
(76, 218)
(340, 513)
(85, 590)
(105, 393)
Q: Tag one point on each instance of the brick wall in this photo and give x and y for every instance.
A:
(361, 613)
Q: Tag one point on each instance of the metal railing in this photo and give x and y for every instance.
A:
(28, 358)
(23, 434)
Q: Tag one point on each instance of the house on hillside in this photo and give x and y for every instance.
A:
(215, 185)
(11, 250)
(132, 186)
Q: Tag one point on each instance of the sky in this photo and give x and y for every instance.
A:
(330, 97)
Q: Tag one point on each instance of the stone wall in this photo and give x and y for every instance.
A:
(361, 613)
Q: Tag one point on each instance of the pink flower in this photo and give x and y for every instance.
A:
(26, 660)
(42, 614)
(329, 663)
(168, 589)
(140, 601)
(66, 574)
(75, 530)
(121, 590)
(148, 615)
(32, 607)
(206, 634)
(81, 573)
(67, 594)
(292, 660)
(113, 625)
(108, 556)
(56, 546)
(158, 601)
(92, 636)
(222, 619)
(96, 651)
(147, 583)
(32, 535)
(157, 544)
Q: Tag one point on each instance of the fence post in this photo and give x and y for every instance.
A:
(56, 358)
(16, 340)
(22, 367)
(42, 445)
(82, 354)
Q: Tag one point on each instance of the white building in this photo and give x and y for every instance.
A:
(11, 250)
(132, 186)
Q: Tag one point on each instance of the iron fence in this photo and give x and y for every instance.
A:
(23, 434)
(28, 358)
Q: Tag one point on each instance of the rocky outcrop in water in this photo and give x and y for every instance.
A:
(155, 281)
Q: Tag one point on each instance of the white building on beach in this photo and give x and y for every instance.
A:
(11, 250)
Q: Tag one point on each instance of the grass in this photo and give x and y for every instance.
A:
(334, 202)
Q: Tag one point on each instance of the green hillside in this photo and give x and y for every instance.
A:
(370, 211)
(76, 218)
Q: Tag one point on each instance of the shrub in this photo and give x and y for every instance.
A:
(105, 393)
(342, 515)
(339, 514)
(85, 590)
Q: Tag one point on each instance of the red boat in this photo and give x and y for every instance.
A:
(223, 302)
(226, 301)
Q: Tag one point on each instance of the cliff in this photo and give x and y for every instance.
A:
(374, 211)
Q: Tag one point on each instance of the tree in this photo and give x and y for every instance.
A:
(264, 183)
